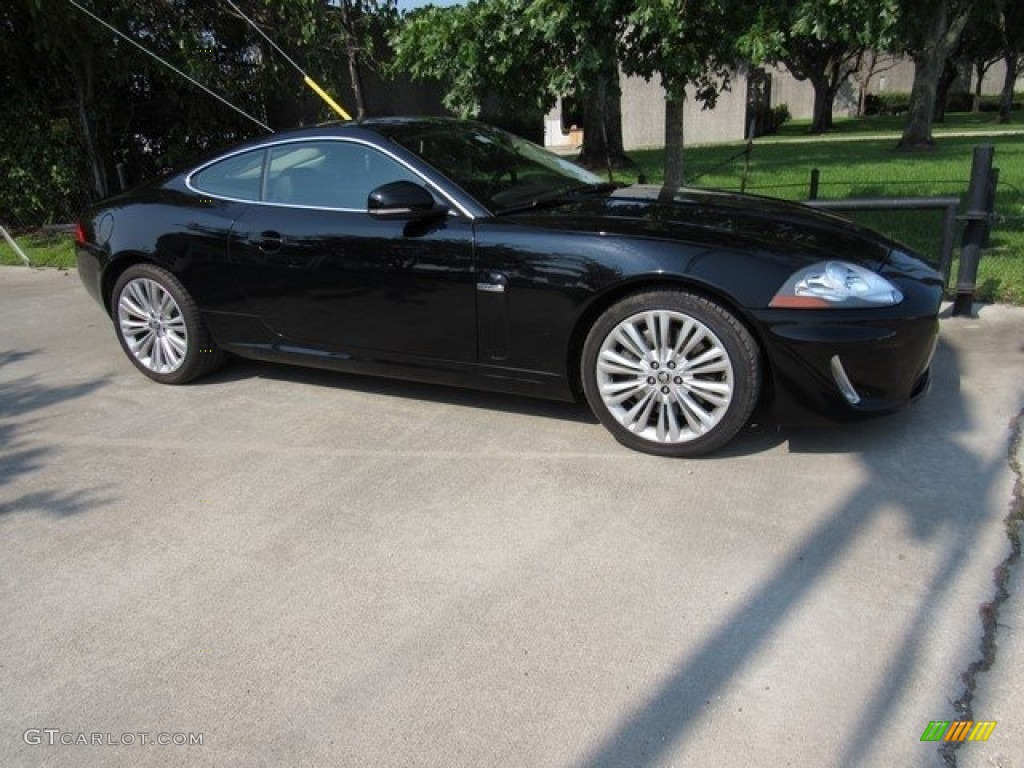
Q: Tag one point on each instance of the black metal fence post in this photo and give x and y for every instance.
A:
(990, 206)
(815, 182)
(948, 204)
(948, 242)
(979, 198)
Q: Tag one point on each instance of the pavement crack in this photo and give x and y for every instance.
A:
(989, 611)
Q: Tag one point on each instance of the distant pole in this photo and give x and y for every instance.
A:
(815, 181)
(746, 164)
(975, 232)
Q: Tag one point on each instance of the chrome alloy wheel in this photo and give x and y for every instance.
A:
(152, 325)
(665, 376)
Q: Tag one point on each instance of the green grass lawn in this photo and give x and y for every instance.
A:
(44, 249)
(956, 122)
(781, 167)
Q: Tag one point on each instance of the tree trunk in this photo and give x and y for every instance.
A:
(824, 99)
(83, 87)
(675, 100)
(1012, 60)
(979, 70)
(352, 54)
(929, 59)
(946, 80)
(356, 78)
(917, 134)
(602, 120)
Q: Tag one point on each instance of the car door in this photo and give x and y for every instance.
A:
(320, 270)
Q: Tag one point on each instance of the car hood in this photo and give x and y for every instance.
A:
(718, 219)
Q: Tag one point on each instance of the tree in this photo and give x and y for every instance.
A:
(686, 47)
(44, 172)
(583, 37)
(874, 62)
(981, 44)
(951, 70)
(78, 100)
(820, 42)
(1011, 19)
(360, 24)
(930, 31)
(479, 50)
(524, 53)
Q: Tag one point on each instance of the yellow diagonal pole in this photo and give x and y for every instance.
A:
(314, 86)
(326, 97)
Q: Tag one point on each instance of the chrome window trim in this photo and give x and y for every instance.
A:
(351, 140)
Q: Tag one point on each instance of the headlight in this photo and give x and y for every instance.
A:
(836, 285)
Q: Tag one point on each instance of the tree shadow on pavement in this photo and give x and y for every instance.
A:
(903, 456)
(22, 401)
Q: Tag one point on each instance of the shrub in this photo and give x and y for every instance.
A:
(886, 103)
(780, 116)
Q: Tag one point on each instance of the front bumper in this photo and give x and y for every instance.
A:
(844, 365)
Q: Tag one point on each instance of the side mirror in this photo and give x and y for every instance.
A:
(403, 200)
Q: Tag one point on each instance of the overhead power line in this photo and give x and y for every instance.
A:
(306, 78)
(170, 66)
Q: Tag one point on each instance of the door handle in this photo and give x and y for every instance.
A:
(492, 282)
(268, 242)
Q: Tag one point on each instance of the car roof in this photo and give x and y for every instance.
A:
(380, 125)
(370, 128)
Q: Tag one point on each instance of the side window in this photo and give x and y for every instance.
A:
(329, 174)
(237, 177)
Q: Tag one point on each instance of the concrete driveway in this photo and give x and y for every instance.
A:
(302, 568)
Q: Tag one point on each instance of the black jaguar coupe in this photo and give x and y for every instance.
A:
(449, 251)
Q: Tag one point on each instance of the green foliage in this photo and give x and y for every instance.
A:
(481, 49)
(922, 24)
(77, 100)
(796, 33)
(581, 36)
(890, 103)
(685, 46)
(43, 168)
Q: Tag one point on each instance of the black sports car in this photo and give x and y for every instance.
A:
(453, 252)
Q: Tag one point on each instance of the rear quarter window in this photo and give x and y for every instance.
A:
(236, 177)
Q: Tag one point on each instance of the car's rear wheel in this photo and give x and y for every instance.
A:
(671, 373)
(159, 326)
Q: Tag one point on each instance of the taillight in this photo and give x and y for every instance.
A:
(80, 233)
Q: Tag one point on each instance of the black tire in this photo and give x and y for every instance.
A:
(159, 326)
(671, 373)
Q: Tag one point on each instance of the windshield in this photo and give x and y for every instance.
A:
(500, 170)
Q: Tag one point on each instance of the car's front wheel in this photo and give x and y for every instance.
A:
(671, 373)
(159, 326)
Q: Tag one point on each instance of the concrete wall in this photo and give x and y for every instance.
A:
(643, 106)
(900, 79)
